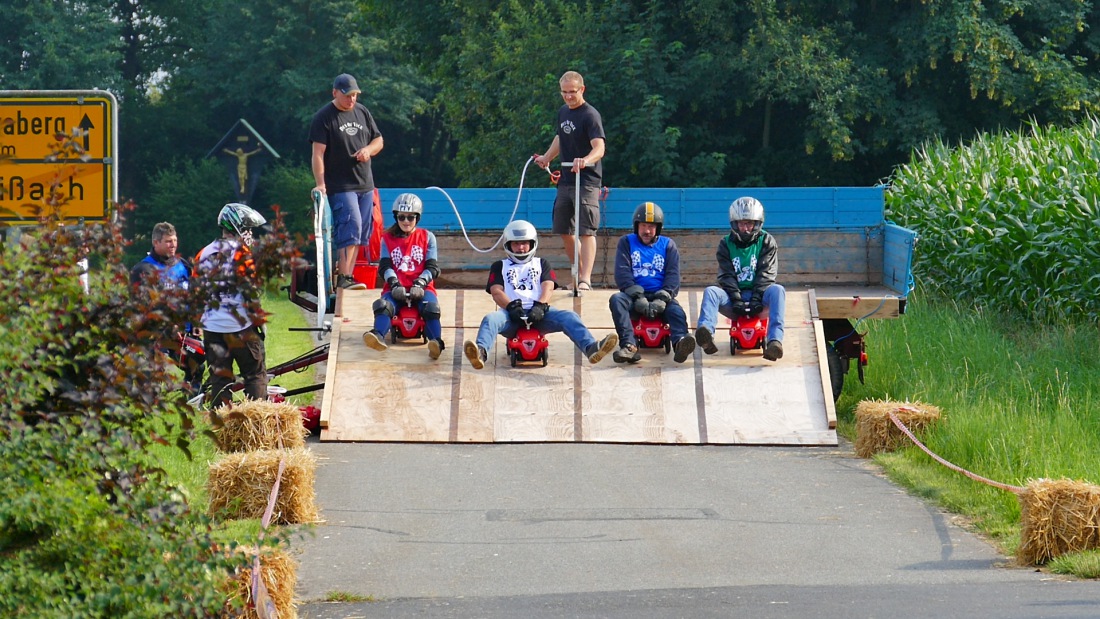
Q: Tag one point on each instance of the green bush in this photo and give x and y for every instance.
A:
(1008, 221)
(88, 527)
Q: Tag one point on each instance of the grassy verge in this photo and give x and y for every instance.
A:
(282, 345)
(1021, 401)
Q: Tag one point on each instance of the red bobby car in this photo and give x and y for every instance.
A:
(652, 332)
(408, 324)
(527, 345)
(748, 332)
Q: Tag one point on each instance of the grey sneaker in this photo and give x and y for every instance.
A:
(435, 348)
(774, 351)
(348, 282)
(706, 340)
(627, 354)
(476, 354)
(596, 352)
(683, 348)
(375, 340)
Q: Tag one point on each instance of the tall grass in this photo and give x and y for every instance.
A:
(1021, 401)
(1010, 220)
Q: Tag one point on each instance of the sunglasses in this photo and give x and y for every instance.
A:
(405, 217)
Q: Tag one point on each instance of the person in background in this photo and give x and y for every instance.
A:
(345, 139)
(230, 334)
(165, 269)
(579, 140)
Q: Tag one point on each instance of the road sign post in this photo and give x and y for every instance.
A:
(33, 123)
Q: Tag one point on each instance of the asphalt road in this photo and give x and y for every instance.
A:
(589, 530)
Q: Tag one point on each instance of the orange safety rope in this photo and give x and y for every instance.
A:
(974, 476)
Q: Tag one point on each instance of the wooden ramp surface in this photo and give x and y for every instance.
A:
(401, 395)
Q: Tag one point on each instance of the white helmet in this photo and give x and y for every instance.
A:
(520, 230)
(746, 209)
(408, 203)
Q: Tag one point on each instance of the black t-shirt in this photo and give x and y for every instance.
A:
(576, 130)
(344, 133)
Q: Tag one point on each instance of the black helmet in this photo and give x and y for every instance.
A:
(649, 212)
(746, 209)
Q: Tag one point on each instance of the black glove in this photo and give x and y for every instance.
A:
(538, 312)
(641, 306)
(737, 302)
(755, 309)
(659, 303)
(515, 311)
(397, 291)
(416, 293)
(634, 291)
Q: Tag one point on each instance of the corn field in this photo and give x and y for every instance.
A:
(1008, 221)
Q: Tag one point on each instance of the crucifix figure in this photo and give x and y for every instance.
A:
(242, 165)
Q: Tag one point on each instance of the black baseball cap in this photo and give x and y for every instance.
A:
(345, 84)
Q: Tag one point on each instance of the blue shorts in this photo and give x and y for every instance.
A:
(351, 217)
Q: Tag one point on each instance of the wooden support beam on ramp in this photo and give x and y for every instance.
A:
(401, 395)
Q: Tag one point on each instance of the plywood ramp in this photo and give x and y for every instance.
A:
(401, 395)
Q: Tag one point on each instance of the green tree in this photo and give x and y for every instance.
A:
(40, 49)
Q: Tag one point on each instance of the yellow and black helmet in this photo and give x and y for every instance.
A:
(649, 212)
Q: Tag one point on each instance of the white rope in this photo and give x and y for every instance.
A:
(511, 218)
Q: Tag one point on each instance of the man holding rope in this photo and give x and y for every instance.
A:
(580, 141)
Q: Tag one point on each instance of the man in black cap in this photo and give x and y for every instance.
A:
(345, 138)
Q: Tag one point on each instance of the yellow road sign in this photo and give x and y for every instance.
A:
(81, 187)
(33, 125)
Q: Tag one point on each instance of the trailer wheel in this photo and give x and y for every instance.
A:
(836, 371)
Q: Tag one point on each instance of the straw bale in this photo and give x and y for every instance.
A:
(240, 484)
(876, 433)
(259, 424)
(279, 572)
(1057, 516)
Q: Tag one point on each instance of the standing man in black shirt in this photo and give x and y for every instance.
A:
(580, 140)
(345, 138)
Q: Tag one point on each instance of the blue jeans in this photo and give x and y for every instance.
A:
(621, 314)
(432, 328)
(351, 217)
(716, 301)
(556, 320)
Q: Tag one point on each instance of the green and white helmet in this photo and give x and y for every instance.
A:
(240, 219)
(236, 218)
(746, 209)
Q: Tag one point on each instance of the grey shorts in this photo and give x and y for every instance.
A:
(563, 210)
